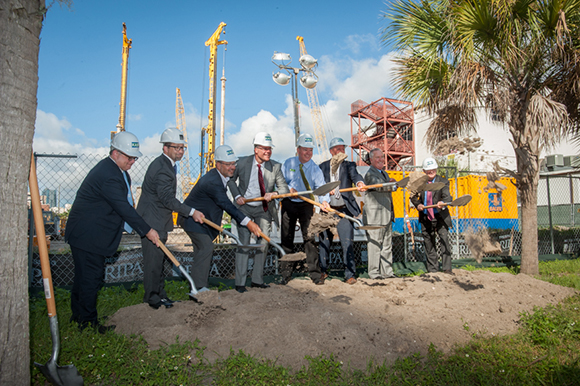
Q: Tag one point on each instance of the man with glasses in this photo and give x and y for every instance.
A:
(102, 208)
(256, 176)
(210, 193)
(156, 205)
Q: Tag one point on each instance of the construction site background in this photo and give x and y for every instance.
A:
(494, 211)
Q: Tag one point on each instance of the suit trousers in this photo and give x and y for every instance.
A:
(346, 235)
(380, 252)
(264, 221)
(88, 280)
(153, 280)
(429, 230)
(301, 212)
(202, 257)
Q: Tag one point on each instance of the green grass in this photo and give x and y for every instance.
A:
(545, 351)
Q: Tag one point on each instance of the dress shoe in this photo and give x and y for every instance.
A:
(241, 289)
(319, 281)
(160, 303)
(350, 280)
(389, 276)
(324, 276)
(449, 272)
(98, 327)
(284, 280)
(263, 285)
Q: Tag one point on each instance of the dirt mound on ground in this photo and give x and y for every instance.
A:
(372, 319)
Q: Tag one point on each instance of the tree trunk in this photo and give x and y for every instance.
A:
(20, 25)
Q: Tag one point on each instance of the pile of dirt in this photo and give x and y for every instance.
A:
(373, 319)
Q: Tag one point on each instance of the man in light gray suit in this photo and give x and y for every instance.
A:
(256, 176)
(378, 210)
(156, 205)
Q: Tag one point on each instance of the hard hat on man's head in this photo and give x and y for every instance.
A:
(305, 140)
(126, 143)
(172, 135)
(263, 139)
(225, 153)
(337, 141)
(429, 164)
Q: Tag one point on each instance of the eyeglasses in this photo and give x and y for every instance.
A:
(178, 148)
(129, 157)
(264, 148)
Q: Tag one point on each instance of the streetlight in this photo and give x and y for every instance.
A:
(307, 80)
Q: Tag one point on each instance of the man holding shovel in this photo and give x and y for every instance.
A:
(156, 205)
(338, 169)
(102, 208)
(301, 174)
(435, 221)
(210, 193)
(256, 176)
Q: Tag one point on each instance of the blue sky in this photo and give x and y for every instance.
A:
(80, 69)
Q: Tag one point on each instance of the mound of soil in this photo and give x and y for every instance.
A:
(372, 319)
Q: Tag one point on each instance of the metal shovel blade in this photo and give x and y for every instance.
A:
(463, 200)
(326, 188)
(60, 375)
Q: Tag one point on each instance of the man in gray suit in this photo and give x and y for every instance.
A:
(156, 205)
(256, 176)
(378, 210)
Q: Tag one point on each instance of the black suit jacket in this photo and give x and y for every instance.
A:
(347, 175)
(100, 209)
(158, 202)
(209, 196)
(439, 195)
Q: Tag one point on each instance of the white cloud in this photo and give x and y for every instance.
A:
(135, 117)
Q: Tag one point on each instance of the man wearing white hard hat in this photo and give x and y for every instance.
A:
(301, 174)
(210, 195)
(103, 207)
(435, 221)
(256, 176)
(156, 205)
(339, 169)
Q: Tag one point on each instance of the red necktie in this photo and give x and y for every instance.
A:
(430, 212)
(262, 187)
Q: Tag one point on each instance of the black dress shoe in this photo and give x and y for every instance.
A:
(241, 289)
(162, 302)
(167, 300)
(263, 285)
(98, 327)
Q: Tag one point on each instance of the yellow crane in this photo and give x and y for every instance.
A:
(315, 110)
(184, 170)
(207, 158)
(123, 104)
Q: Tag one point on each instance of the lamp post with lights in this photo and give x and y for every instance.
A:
(290, 74)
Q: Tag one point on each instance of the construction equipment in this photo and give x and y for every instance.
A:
(184, 170)
(123, 104)
(207, 158)
(315, 110)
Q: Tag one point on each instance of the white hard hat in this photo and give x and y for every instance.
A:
(225, 153)
(337, 141)
(305, 140)
(429, 164)
(263, 139)
(126, 143)
(172, 135)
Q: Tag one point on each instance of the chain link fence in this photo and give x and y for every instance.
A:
(490, 210)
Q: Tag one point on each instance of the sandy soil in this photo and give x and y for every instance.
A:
(372, 319)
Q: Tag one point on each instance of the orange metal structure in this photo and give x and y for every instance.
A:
(387, 124)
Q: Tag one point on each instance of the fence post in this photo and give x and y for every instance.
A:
(572, 220)
(550, 213)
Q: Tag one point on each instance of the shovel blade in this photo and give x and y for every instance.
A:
(326, 188)
(370, 227)
(463, 200)
(60, 375)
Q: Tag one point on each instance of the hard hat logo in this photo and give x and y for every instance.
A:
(268, 138)
(230, 152)
(135, 145)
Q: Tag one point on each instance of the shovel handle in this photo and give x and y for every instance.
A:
(330, 210)
(213, 224)
(169, 254)
(275, 197)
(41, 238)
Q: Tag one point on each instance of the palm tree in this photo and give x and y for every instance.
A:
(516, 59)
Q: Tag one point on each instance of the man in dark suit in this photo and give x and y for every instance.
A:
(156, 205)
(102, 208)
(256, 176)
(210, 193)
(435, 221)
(339, 169)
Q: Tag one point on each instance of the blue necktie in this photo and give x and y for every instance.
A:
(175, 168)
(127, 227)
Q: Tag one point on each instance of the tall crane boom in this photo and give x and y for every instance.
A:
(184, 170)
(208, 157)
(315, 111)
(123, 104)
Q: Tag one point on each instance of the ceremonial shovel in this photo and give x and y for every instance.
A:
(461, 201)
(357, 224)
(320, 191)
(183, 272)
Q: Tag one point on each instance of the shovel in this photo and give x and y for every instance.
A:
(393, 185)
(461, 201)
(57, 375)
(230, 234)
(357, 223)
(284, 256)
(320, 191)
(183, 272)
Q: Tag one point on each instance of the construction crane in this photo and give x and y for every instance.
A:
(123, 104)
(184, 170)
(207, 158)
(315, 110)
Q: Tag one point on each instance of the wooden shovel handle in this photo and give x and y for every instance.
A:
(367, 186)
(330, 210)
(213, 224)
(169, 254)
(273, 197)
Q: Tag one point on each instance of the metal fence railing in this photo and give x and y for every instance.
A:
(59, 178)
